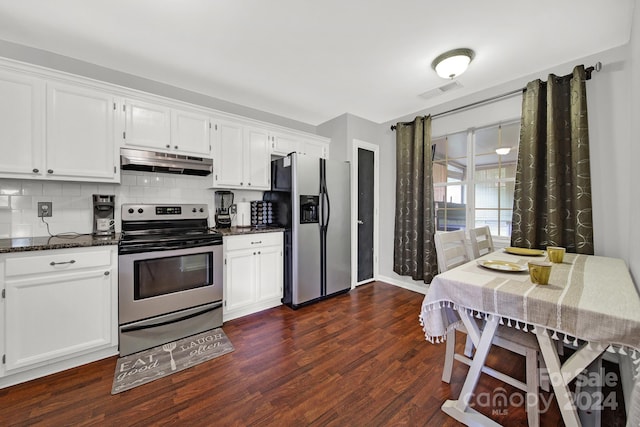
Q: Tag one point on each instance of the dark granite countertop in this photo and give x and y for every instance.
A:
(236, 231)
(23, 244)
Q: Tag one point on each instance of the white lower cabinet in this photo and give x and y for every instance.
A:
(60, 310)
(252, 274)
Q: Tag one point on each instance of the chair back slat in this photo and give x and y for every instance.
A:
(481, 241)
(451, 250)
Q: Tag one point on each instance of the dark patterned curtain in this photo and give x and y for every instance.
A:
(414, 252)
(552, 200)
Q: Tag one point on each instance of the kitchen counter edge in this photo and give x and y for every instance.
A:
(25, 244)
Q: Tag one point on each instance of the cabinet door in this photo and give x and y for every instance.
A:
(270, 273)
(258, 159)
(21, 124)
(190, 132)
(147, 125)
(282, 145)
(240, 279)
(315, 149)
(228, 155)
(80, 133)
(57, 315)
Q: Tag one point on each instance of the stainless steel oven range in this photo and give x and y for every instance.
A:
(170, 275)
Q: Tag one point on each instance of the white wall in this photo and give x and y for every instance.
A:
(634, 224)
(609, 105)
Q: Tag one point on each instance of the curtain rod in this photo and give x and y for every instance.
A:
(597, 67)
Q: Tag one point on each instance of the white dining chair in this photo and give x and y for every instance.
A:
(451, 252)
(481, 241)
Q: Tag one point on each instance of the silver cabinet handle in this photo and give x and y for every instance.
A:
(360, 221)
(50, 171)
(256, 243)
(73, 261)
(36, 170)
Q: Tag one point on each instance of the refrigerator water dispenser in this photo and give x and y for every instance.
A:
(309, 209)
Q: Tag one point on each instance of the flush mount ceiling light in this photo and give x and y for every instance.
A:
(451, 64)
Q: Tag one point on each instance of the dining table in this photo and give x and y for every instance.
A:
(590, 304)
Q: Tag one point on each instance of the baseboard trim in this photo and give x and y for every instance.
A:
(419, 287)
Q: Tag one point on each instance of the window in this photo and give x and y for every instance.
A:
(468, 160)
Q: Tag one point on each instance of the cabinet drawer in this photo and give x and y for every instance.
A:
(249, 241)
(55, 261)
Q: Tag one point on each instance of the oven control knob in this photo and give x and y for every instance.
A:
(130, 210)
(201, 209)
(193, 210)
(140, 210)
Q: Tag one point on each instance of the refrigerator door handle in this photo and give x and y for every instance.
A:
(327, 209)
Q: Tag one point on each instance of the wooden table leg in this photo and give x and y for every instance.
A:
(562, 374)
(459, 409)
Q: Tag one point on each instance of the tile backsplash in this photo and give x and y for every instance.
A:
(72, 201)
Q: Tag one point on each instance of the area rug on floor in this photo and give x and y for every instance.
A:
(157, 362)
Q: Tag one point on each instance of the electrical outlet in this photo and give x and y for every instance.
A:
(233, 209)
(45, 209)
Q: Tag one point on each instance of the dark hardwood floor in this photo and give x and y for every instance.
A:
(359, 359)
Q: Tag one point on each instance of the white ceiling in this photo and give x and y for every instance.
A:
(315, 60)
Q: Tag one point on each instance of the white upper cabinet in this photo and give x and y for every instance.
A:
(281, 145)
(284, 143)
(315, 148)
(21, 125)
(190, 132)
(228, 155)
(56, 131)
(147, 125)
(257, 159)
(80, 134)
(241, 156)
(170, 130)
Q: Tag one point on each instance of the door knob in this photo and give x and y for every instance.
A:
(360, 222)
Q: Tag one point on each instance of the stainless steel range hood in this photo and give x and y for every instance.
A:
(152, 161)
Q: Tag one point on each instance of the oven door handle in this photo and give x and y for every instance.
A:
(150, 324)
(134, 249)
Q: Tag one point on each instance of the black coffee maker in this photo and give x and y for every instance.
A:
(224, 201)
(103, 210)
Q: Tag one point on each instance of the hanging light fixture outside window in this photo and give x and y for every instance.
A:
(451, 64)
(501, 151)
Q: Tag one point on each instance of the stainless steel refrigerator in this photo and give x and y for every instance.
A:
(311, 200)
